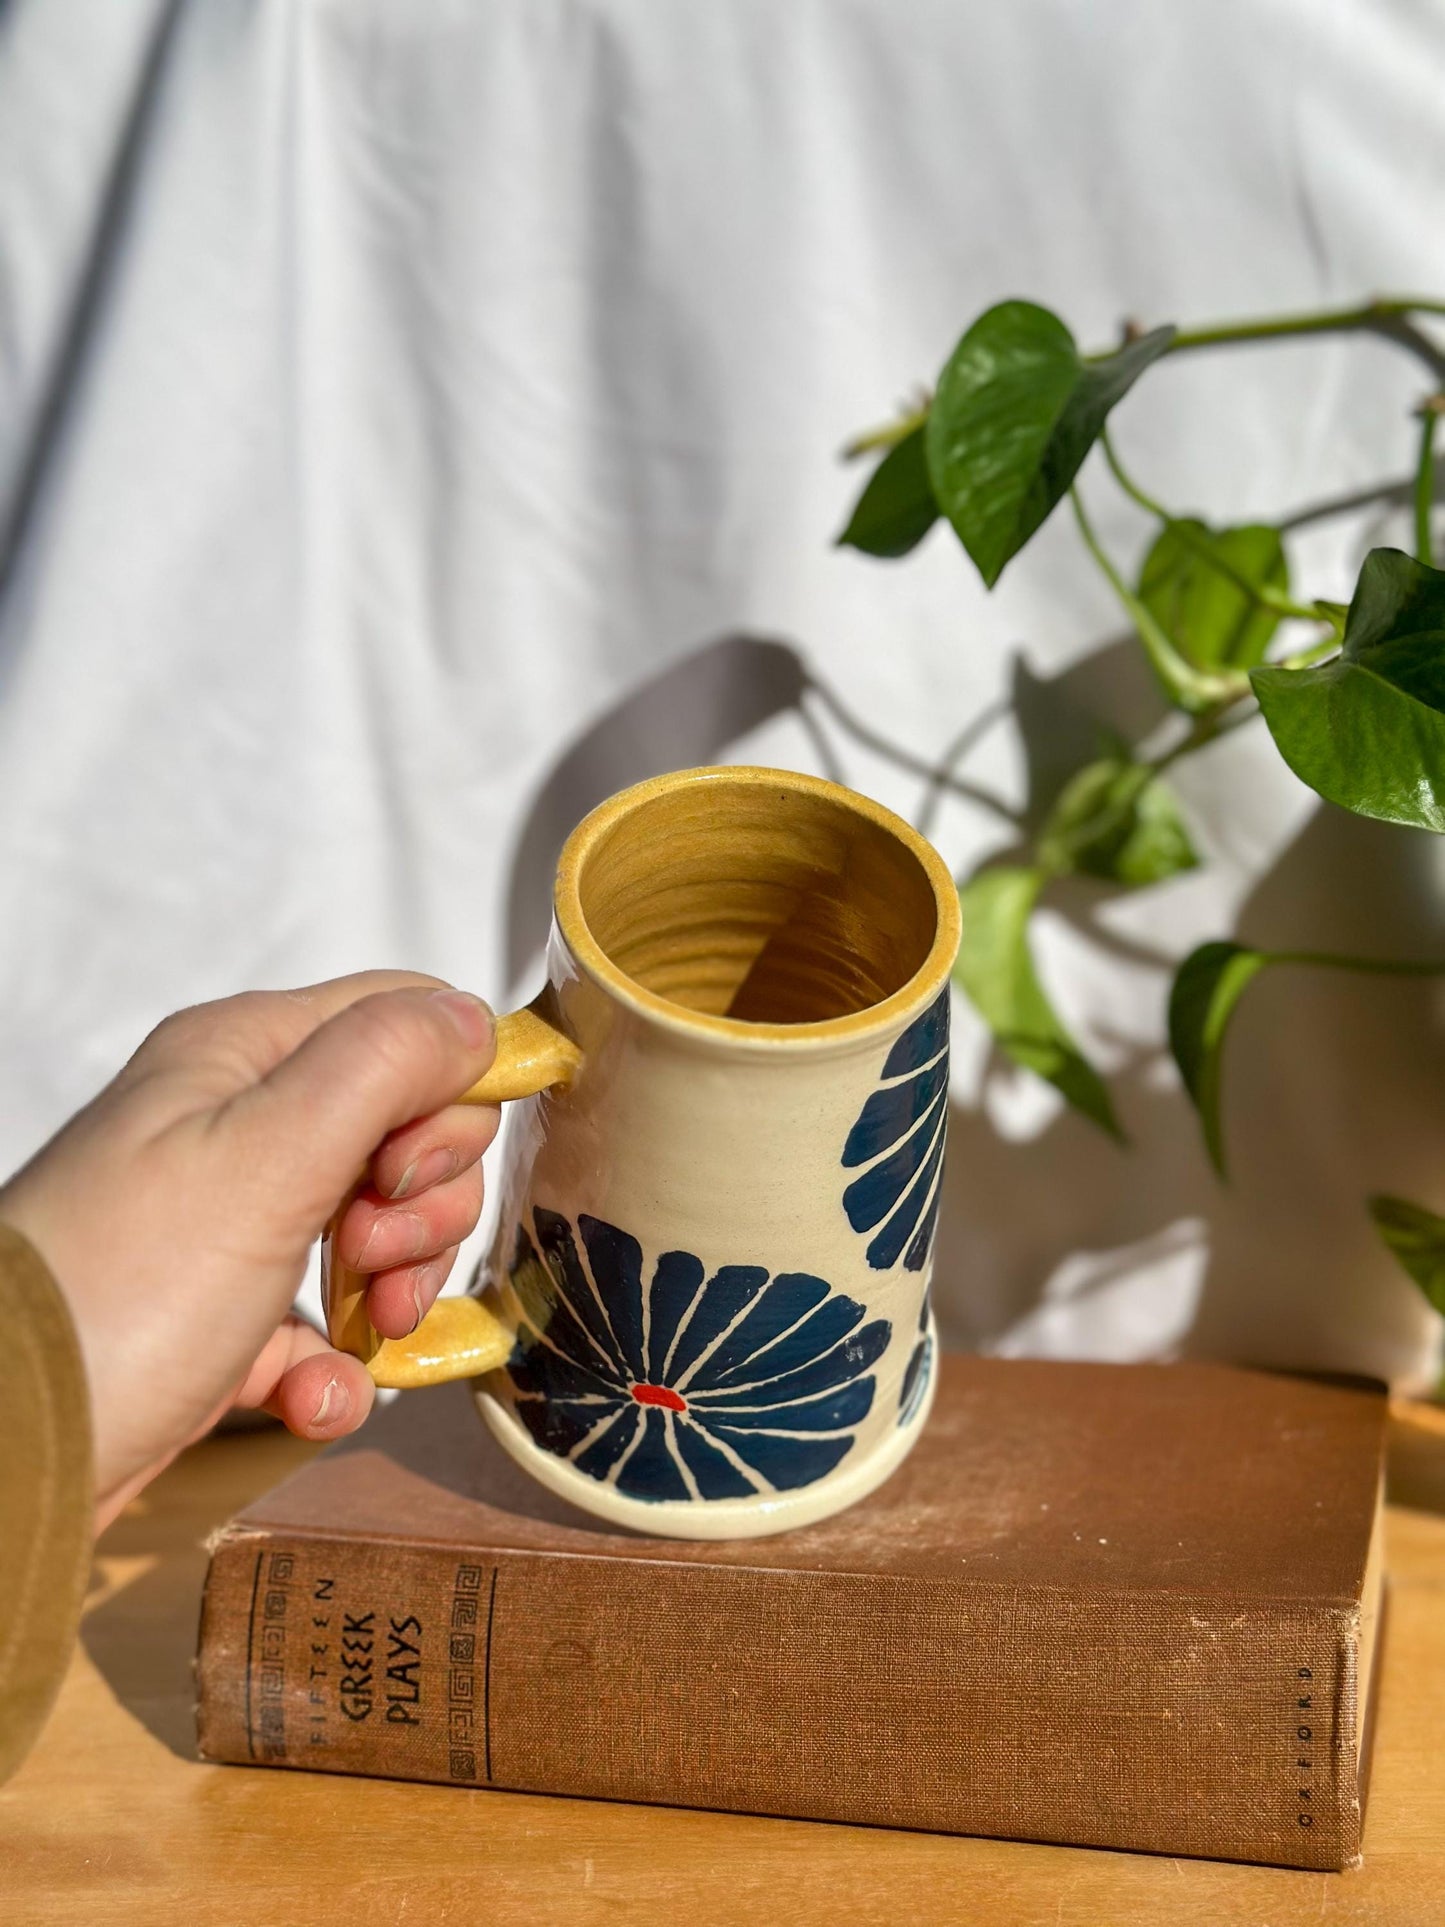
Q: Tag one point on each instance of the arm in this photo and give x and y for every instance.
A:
(150, 1253)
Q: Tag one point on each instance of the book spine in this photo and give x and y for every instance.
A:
(1182, 1724)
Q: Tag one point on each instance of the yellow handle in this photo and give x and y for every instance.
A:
(459, 1337)
(532, 1055)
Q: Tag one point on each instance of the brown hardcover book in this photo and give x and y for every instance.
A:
(1120, 1606)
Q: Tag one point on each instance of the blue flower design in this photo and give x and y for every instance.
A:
(919, 1369)
(688, 1387)
(899, 1136)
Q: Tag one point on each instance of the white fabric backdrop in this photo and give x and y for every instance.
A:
(387, 386)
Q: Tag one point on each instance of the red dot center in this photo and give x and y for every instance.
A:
(662, 1395)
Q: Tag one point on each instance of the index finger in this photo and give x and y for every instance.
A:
(235, 1041)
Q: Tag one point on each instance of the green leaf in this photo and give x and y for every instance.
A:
(1016, 411)
(1367, 730)
(1417, 1238)
(996, 970)
(1116, 819)
(1209, 617)
(1207, 987)
(897, 508)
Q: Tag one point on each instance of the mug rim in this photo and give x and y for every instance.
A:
(855, 1027)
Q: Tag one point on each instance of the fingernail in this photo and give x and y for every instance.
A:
(427, 1275)
(334, 1403)
(384, 1233)
(436, 1166)
(474, 1021)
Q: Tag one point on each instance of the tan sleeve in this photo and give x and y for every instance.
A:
(46, 1501)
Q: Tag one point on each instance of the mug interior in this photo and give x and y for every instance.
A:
(758, 901)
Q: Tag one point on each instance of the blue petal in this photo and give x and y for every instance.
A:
(786, 1463)
(817, 1334)
(791, 1296)
(899, 1137)
(892, 1112)
(915, 1380)
(557, 1427)
(609, 1445)
(537, 1368)
(849, 1360)
(887, 1245)
(616, 1261)
(536, 1289)
(830, 1414)
(874, 1195)
(717, 1477)
(675, 1284)
(554, 1235)
(924, 1038)
(910, 1377)
(917, 1254)
(726, 1292)
(651, 1472)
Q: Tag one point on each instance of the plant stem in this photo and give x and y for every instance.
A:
(1425, 481)
(1382, 494)
(1389, 316)
(1195, 690)
(1307, 658)
(1204, 729)
(1368, 966)
(1099, 553)
(888, 436)
(1315, 321)
(1263, 593)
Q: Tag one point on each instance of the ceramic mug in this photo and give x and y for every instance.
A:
(706, 1310)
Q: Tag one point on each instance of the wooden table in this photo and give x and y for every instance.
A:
(112, 1819)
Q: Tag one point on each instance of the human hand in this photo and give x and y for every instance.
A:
(178, 1209)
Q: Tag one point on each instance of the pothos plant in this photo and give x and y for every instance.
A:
(1352, 696)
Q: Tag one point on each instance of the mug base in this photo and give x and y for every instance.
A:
(752, 1518)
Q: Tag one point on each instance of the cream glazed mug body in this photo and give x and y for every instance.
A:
(705, 1312)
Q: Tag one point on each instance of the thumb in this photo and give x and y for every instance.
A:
(388, 1058)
